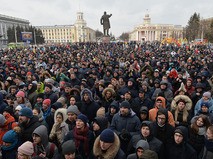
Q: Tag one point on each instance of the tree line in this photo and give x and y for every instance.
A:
(18, 29)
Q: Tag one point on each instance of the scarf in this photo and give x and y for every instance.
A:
(201, 131)
(81, 136)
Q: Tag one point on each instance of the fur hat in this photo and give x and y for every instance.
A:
(26, 148)
(107, 136)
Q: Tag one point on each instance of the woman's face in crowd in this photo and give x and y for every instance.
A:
(199, 122)
(72, 101)
(181, 105)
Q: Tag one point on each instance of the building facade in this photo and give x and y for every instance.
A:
(8, 22)
(79, 32)
(151, 32)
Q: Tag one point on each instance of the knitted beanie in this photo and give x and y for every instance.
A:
(125, 104)
(207, 94)
(26, 148)
(107, 136)
(26, 112)
(73, 109)
(20, 94)
(68, 147)
(47, 101)
(83, 118)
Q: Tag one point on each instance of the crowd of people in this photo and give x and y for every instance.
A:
(107, 101)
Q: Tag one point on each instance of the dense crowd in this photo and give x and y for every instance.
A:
(107, 101)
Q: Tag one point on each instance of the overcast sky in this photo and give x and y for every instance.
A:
(126, 14)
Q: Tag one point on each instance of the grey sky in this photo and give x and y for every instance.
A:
(126, 14)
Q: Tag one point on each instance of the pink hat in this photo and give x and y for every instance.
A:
(26, 148)
(47, 101)
(20, 94)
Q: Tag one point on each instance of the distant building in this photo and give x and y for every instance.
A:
(79, 32)
(8, 22)
(151, 32)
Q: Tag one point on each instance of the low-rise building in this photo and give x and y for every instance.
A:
(151, 32)
(78, 32)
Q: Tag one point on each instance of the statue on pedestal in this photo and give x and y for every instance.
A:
(106, 24)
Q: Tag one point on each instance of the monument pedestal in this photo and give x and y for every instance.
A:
(106, 39)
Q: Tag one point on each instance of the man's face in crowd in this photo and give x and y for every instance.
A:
(209, 134)
(145, 131)
(22, 120)
(159, 104)
(47, 89)
(71, 116)
(105, 146)
(124, 111)
(178, 138)
(161, 119)
(36, 139)
(86, 97)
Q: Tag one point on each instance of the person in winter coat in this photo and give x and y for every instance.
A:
(205, 110)
(160, 102)
(10, 144)
(69, 150)
(72, 114)
(140, 101)
(168, 94)
(180, 108)
(197, 131)
(20, 99)
(162, 130)
(60, 127)
(89, 106)
(208, 147)
(146, 133)
(144, 114)
(28, 123)
(113, 109)
(107, 146)
(206, 98)
(25, 151)
(3, 105)
(99, 124)
(42, 146)
(179, 148)
(108, 97)
(32, 94)
(141, 146)
(125, 124)
(82, 136)
(6, 124)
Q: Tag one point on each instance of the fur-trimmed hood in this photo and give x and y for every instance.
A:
(63, 111)
(110, 90)
(86, 90)
(110, 153)
(185, 98)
